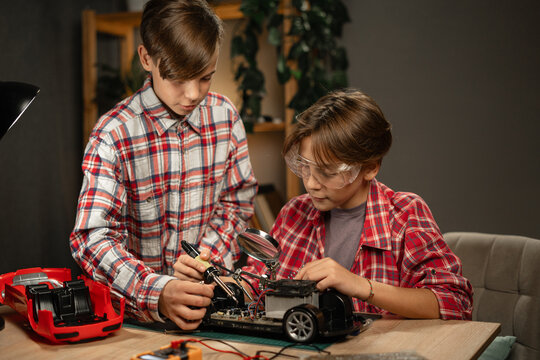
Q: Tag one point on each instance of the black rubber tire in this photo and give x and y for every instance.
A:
(300, 325)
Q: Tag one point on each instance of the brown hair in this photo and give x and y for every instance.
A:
(181, 35)
(345, 125)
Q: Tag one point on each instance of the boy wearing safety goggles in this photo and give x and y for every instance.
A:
(354, 234)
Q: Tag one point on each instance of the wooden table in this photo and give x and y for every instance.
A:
(433, 339)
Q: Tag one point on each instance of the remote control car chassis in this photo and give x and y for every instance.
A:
(59, 308)
(294, 308)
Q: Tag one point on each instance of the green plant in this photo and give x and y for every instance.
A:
(113, 86)
(321, 64)
(245, 45)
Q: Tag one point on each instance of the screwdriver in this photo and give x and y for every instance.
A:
(211, 273)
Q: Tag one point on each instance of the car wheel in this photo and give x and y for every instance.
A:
(300, 325)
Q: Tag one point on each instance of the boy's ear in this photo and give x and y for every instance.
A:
(370, 170)
(145, 58)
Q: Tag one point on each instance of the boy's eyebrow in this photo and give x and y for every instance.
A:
(210, 73)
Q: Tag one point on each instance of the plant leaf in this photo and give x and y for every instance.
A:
(237, 46)
(274, 36)
(283, 71)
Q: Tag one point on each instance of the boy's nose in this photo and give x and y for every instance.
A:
(311, 182)
(191, 90)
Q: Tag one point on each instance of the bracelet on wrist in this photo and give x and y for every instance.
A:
(371, 293)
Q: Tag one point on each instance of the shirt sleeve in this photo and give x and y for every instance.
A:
(429, 263)
(235, 206)
(99, 236)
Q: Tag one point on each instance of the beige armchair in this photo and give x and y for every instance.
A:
(504, 271)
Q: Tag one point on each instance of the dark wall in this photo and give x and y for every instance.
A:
(460, 83)
(40, 157)
(458, 80)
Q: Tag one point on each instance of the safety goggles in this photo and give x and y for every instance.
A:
(333, 176)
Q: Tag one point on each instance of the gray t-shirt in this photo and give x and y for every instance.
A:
(343, 230)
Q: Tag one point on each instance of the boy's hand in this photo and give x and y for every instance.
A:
(187, 268)
(185, 302)
(330, 274)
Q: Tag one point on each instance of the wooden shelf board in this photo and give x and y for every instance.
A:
(117, 23)
(229, 11)
(268, 127)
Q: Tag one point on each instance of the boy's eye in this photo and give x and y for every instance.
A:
(329, 174)
(176, 81)
(326, 173)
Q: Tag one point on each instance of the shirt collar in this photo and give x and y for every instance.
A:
(376, 233)
(154, 109)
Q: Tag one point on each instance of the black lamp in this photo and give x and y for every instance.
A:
(15, 97)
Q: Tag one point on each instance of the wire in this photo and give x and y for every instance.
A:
(244, 356)
(235, 351)
(255, 292)
(221, 267)
(275, 354)
(261, 296)
(201, 341)
(251, 314)
(280, 352)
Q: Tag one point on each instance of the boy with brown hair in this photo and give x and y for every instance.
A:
(169, 163)
(381, 247)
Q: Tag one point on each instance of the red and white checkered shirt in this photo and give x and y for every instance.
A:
(151, 181)
(401, 245)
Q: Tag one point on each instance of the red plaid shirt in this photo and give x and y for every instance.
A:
(401, 245)
(151, 181)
